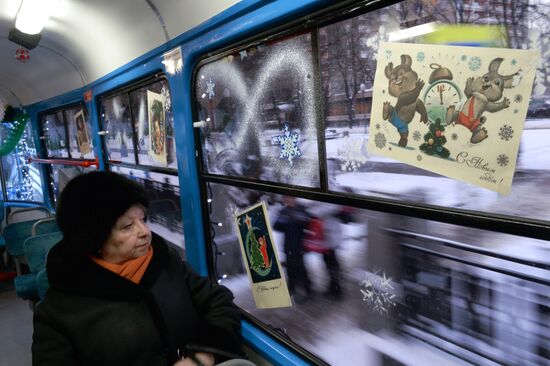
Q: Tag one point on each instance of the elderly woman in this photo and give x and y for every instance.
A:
(119, 295)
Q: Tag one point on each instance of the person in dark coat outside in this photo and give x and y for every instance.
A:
(119, 295)
(292, 221)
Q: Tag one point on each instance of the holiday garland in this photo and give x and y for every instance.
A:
(15, 121)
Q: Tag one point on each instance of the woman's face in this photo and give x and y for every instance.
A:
(130, 237)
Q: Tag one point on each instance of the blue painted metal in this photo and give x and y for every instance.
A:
(269, 348)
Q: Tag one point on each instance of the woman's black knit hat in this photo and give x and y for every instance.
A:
(91, 203)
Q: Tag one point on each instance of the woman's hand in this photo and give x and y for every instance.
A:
(207, 359)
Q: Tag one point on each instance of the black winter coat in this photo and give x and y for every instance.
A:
(92, 316)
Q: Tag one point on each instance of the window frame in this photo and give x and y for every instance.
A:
(127, 89)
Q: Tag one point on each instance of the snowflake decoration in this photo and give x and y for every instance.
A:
(166, 94)
(454, 136)
(377, 126)
(474, 63)
(464, 57)
(210, 85)
(378, 291)
(518, 98)
(289, 145)
(230, 212)
(506, 132)
(417, 136)
(352, 153)
(420, 56)
(502, 160)
(380, 140)
(387, 54)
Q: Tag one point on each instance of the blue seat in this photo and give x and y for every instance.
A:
(32, 286)
(42, 283)
(15, 234)
(37, 248)
(25, 287)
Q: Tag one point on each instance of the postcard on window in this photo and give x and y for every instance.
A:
(157, 127)
(455, 111)
(82, 136)
(260, 258)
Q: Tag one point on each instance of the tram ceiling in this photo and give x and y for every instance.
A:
(84, 40)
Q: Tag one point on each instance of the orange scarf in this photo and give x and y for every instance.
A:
(132, 270)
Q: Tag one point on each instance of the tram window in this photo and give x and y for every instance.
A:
(164, 215)
(53, 129)
(412, 290)
(348, 57)
(67, 133)
(163, 142)
(126, 117)
(80, 133)
(256, 102)
(116, 116)
(23, 181)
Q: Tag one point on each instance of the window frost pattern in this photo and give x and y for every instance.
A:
(260, 114)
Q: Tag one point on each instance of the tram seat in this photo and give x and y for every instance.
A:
(30, 286)
(15, 234)
(42, 283)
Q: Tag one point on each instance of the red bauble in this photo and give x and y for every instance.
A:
(438, 133)
(22, 54)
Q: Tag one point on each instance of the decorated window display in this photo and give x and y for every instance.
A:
(23, 181)
(443, 120)
(259, 113)
(67, 133)
(140, 122)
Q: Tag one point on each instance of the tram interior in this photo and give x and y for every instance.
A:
(424, 269)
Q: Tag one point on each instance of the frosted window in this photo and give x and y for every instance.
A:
(260, 113)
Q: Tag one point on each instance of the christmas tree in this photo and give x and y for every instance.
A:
(434, 140)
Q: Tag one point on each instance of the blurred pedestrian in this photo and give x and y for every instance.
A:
(292, 221)
(326, 217)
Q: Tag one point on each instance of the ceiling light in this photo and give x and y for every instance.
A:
(33, 15)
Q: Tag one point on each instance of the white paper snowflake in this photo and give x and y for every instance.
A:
(378, 292)
(166, 94)
(352, 152)
(289, 145)
(380, 140)
(506, 132)
(210, 85)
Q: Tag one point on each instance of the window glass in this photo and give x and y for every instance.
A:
(348, 61)
(116, 116)
(259, 111)
(23, 181)
(80, 133)
(60, 175)
(382, 289)
(53, 129)
(164, 151)
(164, 215)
